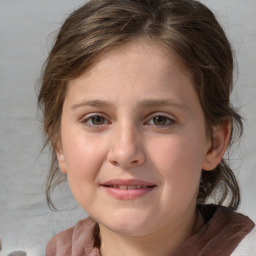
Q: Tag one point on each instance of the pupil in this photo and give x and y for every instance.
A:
(159, 120)
(97, 120)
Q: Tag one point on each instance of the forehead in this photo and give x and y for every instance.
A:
(139, 72)
(146, 54)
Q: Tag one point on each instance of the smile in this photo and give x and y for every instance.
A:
(127, 189)
(131, 187)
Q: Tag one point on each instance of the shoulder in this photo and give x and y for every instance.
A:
(60, 244)
(72, 239)
(247, 247)
(230, 232)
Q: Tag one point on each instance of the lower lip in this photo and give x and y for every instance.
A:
(123, 194)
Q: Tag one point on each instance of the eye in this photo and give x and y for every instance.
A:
(95, 120)
(160, 120)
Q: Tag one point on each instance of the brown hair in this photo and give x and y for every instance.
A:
(186, 27)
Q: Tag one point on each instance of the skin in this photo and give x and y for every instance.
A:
(150, 126)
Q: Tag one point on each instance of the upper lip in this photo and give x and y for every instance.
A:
(128, 182)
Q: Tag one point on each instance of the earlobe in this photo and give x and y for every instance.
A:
(219, 143)
(57, 144)
(61, 160)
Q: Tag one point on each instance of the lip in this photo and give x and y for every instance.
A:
(127, 194)
(128, 182)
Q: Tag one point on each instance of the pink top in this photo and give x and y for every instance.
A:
(223, 231)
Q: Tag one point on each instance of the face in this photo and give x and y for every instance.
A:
(133, 140)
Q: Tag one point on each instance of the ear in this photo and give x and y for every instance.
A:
(61, 158)
(218, 146)
(57, 145)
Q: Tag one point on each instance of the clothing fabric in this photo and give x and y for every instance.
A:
(224, 233)
(247, 246)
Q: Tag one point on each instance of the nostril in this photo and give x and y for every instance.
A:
(126, 158)
(115, 163)
(134, 162)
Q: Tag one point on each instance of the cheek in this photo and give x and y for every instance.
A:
(83, 158)
(179, 161)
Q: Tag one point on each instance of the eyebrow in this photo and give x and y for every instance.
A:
(149, 103)
(92, 103)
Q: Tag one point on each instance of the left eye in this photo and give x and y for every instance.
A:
(160, 120)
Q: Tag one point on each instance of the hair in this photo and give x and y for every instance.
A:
(187, 28)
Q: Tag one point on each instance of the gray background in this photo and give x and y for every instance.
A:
(26, 34)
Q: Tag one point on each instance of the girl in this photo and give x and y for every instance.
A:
(136, 107)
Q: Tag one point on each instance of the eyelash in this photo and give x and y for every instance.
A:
(167, 120)
(88, 120)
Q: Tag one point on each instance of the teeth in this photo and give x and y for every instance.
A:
(130, 187)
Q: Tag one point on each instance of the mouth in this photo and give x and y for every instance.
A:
(128, 189)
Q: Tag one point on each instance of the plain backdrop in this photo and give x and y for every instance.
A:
(27, 30)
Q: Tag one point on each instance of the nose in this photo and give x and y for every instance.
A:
(126, 147)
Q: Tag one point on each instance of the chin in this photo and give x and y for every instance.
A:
(128, 225)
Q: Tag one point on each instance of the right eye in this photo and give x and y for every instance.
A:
(95, 120)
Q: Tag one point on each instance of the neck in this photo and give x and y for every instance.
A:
(161, 242)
